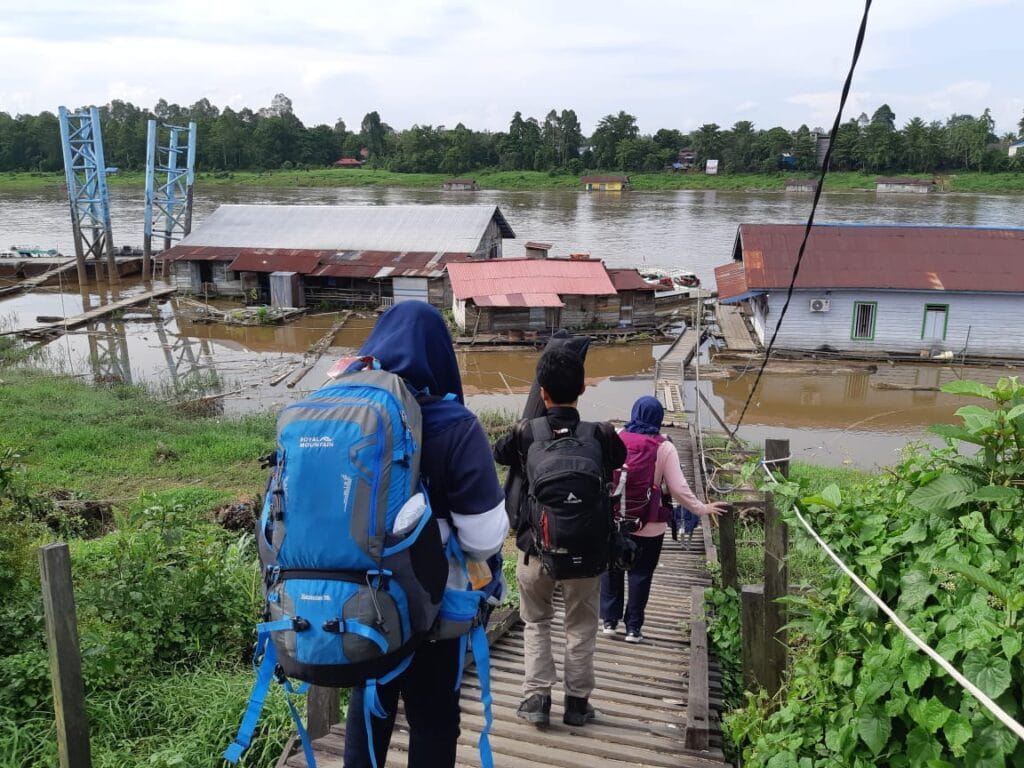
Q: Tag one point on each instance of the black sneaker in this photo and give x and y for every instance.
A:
(536, 709)
(578, 711)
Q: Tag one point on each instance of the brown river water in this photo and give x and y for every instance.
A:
(830, 418)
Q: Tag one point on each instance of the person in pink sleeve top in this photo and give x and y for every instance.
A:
(645, 420)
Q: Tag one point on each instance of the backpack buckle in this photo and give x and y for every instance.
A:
(332, 625)
(299, 624)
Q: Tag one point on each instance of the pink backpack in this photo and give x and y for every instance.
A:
(640, 502)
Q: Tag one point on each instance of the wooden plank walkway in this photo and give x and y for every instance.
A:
(97, 312)
(734, 329)
(642, 693)
(668, 372)
(30, 283)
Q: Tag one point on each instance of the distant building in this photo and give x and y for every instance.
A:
(460, 185)
(636, 298)
(353, 255)
(348, 162)
(882, 289)
(532, 294)
(605, 183)
(537, 250)
(913, 186)
(800, 185)
(686, 158)
(1012, 149)
(821, 140)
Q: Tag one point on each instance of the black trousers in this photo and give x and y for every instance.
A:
(431, 707)
(640, 577)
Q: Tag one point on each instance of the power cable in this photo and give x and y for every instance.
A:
(814, 207)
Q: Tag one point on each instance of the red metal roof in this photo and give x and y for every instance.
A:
(275, 260)
(883, 257)
(348, 162)
(200, 253)
(629, 280)
(519, 300)
(540, 278)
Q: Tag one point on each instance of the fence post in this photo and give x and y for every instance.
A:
(752, 631)
(322, 710)
(65, 658)
(776, 574)
(727, 542)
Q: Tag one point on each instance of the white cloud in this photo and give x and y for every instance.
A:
(442, 61)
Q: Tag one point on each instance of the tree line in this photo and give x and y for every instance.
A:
(273, 137)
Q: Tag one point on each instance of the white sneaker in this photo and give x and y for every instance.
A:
(608, 629)
(634, 637)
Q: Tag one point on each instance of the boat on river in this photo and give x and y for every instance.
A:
(669, 280)
(29, 252)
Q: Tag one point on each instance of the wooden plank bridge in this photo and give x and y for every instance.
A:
(655, 700)
(60, 326)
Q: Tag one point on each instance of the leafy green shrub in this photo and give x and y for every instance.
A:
(940, 539)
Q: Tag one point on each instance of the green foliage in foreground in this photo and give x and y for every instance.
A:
(112, 442)
(940, 540)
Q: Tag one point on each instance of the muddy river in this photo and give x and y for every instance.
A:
(857, 419)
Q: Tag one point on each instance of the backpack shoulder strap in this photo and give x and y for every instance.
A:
(540, 429)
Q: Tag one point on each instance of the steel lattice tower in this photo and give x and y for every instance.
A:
(86, 174)
(172, 199)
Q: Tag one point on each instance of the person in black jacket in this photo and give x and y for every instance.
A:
(561, 378)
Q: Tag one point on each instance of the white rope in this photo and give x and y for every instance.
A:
(990, 705)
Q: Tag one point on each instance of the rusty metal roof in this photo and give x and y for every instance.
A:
(278, 260)
(382, 264)
(434, 228)
(893, 257)
(629, 280)
(199, 253)
(490, 280)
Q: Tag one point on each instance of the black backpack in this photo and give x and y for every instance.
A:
(569, 506)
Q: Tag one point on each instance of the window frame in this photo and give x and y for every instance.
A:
(874, 320)
(945, 322)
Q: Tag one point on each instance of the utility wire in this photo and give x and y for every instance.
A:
(814, 207)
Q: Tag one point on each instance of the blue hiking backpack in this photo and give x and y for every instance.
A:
(354, 571)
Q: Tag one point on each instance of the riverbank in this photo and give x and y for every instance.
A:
(973, 182)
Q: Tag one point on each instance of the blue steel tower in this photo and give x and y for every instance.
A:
(175, 161)
(86, 175)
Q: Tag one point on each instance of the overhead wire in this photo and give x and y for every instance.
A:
(814, 207)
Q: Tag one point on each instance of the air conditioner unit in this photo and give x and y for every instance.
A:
(820, 305)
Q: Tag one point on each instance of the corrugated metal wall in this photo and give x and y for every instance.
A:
(995, 321)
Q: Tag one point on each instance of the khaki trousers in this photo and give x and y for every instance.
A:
(537, 608)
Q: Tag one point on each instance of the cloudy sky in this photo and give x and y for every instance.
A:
(673, 63)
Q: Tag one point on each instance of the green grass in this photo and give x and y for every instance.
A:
(116, 442)
(179, 720)
(976, 182)
(807, 563)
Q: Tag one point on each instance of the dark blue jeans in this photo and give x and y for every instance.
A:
(640, 577)
(431, 708)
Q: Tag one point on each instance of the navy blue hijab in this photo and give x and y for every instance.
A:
(646, 417)
(411, 340)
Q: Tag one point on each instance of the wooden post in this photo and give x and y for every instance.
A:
(65, 658)
(697, 695)
(776, 575)
(727, 546)
(322, 710)
(752, 629)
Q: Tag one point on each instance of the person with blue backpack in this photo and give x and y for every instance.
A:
(652, 462)
(381, 499)
(412, 341)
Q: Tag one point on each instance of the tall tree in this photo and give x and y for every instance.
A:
(612, 129)
(707, 143)
(372, 132)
